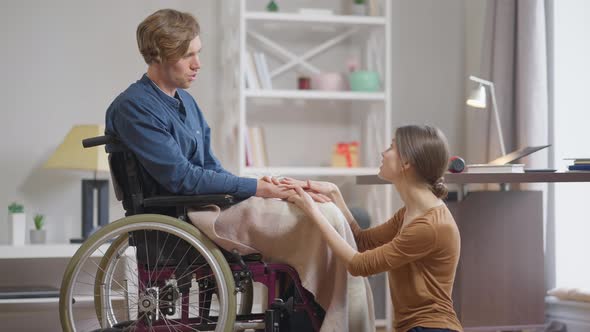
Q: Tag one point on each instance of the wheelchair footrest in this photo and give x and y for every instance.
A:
(252, 257)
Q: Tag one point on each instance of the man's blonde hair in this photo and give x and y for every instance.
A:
(165, 35)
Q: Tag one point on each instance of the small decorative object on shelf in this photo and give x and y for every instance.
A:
(16, 224)
(359, 8)
(328, 81)
(364, 81)
(272, 6)
(346, 154)
(352, 65)
(304, 83)
(37, 235)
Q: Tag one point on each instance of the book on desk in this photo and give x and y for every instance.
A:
(504, 164)
(580, 164)
(490, 168)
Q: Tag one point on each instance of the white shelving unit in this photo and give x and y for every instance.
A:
(33, 266)
(315, 95)
(36, 251)
(281, 36)
(322, 19)
(310, 171)
(252, 32)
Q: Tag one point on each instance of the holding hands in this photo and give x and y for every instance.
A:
(326, 189)
(271, 187)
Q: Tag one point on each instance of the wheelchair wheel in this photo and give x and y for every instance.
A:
(189, 287)
(114, 260)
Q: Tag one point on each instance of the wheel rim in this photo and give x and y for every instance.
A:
(76, 271)
(105, 272)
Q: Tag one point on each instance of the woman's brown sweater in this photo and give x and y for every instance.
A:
(421, 259)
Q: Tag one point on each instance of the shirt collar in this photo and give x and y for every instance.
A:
(173, 102)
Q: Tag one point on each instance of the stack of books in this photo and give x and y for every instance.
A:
(256, 155)
(257, 71)
(491, 168)
(580, 164)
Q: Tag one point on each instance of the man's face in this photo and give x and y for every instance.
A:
(182, 73)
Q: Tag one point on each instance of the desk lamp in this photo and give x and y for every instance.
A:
(71, 155)
(478, 99)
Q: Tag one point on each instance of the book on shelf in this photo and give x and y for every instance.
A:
(262, 70)
(488, 168)
(256, 155)
(315, 11)
(252, 79)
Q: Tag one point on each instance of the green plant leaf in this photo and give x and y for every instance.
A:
(16, 208)
(38, 219)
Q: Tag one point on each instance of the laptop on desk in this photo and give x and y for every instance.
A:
(515, 155)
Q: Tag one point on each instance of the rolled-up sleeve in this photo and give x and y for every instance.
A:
(415, 241)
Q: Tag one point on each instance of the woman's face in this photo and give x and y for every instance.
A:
(391, 165)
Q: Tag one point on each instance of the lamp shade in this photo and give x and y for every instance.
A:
(478, 97)
(70, 154)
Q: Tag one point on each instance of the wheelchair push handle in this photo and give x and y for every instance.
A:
(98, 140)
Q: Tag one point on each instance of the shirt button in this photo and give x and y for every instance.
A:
(198, 132)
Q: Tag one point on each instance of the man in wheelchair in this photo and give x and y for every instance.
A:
(158, 272)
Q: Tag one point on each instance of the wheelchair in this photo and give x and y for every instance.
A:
(154, 271)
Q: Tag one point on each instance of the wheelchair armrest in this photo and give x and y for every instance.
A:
(194, 201)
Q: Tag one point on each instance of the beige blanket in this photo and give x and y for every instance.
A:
(282, 233)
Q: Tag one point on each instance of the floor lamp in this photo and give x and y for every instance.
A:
(478, 99)
(71, 155)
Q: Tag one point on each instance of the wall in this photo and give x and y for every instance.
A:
(428, 66)
(62, 64)
(571, 117)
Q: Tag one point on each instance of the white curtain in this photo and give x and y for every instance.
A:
(514, 57)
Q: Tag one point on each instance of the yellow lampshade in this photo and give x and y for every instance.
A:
(70, 154)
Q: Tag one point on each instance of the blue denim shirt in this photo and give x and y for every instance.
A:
(171, 139)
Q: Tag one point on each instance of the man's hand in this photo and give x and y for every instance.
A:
(270, 179)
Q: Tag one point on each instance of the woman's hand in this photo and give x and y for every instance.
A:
(326, 189)
(304, 201)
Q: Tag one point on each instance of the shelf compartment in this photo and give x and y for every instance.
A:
(310, 171)
(324, 19)
(316, 95)
(43, 251)
(40, 300)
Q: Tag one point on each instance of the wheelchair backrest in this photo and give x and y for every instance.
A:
(132, 183)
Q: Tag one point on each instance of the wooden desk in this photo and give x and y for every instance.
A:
(500, 282)
(466, 178)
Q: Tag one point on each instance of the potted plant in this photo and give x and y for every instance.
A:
(359, 7)
(272, 6)
(37, 235)
(16, 224)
